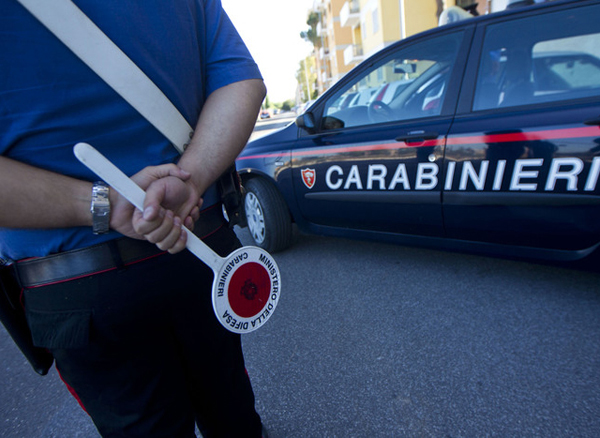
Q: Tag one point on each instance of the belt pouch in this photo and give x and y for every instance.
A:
(12, 316)
(231, 192)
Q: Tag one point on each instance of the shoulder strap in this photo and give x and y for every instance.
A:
(81, 35)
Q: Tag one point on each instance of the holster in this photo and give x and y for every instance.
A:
(232, 196)
(12, 316)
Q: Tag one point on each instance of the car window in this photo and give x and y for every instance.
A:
(408, 84)
(546, 58)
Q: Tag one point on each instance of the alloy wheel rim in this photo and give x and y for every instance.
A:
(255, 218)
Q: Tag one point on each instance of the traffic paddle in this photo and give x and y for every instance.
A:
(246, 283)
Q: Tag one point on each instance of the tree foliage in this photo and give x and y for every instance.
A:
(310, 35)
(287, 105)
(307, 78)
(306, 74)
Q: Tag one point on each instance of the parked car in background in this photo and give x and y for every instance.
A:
(491, 143)
(389, 91)
(305, 106)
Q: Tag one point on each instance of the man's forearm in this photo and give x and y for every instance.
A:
(224, 126)
(35, 198)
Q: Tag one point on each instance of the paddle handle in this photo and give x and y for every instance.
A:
(113, 176)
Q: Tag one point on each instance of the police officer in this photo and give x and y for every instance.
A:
(106, 288)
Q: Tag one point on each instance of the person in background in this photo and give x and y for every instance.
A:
(107, 289)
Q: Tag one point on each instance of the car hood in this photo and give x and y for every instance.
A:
(273, 140)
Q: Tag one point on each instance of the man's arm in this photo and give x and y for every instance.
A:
(225, 124)
(31, 197)
(35, 198)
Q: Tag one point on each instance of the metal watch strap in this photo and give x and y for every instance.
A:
(100, 208)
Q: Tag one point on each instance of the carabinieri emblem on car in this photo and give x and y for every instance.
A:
(308, 177)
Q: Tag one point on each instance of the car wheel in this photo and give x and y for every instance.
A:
(267, 215)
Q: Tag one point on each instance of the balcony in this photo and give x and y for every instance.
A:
(353, 54)
(350, 14)
(321, 30)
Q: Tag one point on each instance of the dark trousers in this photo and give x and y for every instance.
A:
(142, 350)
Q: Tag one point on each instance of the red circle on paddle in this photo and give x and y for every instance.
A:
(249, 289)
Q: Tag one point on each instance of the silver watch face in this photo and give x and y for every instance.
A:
(100, 208)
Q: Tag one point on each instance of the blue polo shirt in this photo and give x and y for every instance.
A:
(50, 100)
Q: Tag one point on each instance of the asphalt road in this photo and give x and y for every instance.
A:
(377, 340)
(266, 126)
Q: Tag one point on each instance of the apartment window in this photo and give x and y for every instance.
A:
(375, 21)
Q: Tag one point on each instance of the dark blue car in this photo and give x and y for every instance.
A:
(480, 135)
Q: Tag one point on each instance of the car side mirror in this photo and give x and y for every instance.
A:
(306, 121)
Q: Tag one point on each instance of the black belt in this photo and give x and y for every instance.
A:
(104, 256)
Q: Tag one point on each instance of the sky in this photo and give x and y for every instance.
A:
(271, 30)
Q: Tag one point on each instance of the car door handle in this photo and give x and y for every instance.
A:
(595, 121)
(418, 136)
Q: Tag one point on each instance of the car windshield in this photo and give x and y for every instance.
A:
(562, 71)
(408, 84)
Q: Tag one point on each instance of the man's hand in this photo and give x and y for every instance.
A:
(169, 198)
(176, 194)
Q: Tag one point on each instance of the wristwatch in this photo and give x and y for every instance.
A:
(100, 208)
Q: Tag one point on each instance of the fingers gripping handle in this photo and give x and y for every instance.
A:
(106, 170)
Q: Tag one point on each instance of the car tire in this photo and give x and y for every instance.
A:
(267, 216)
